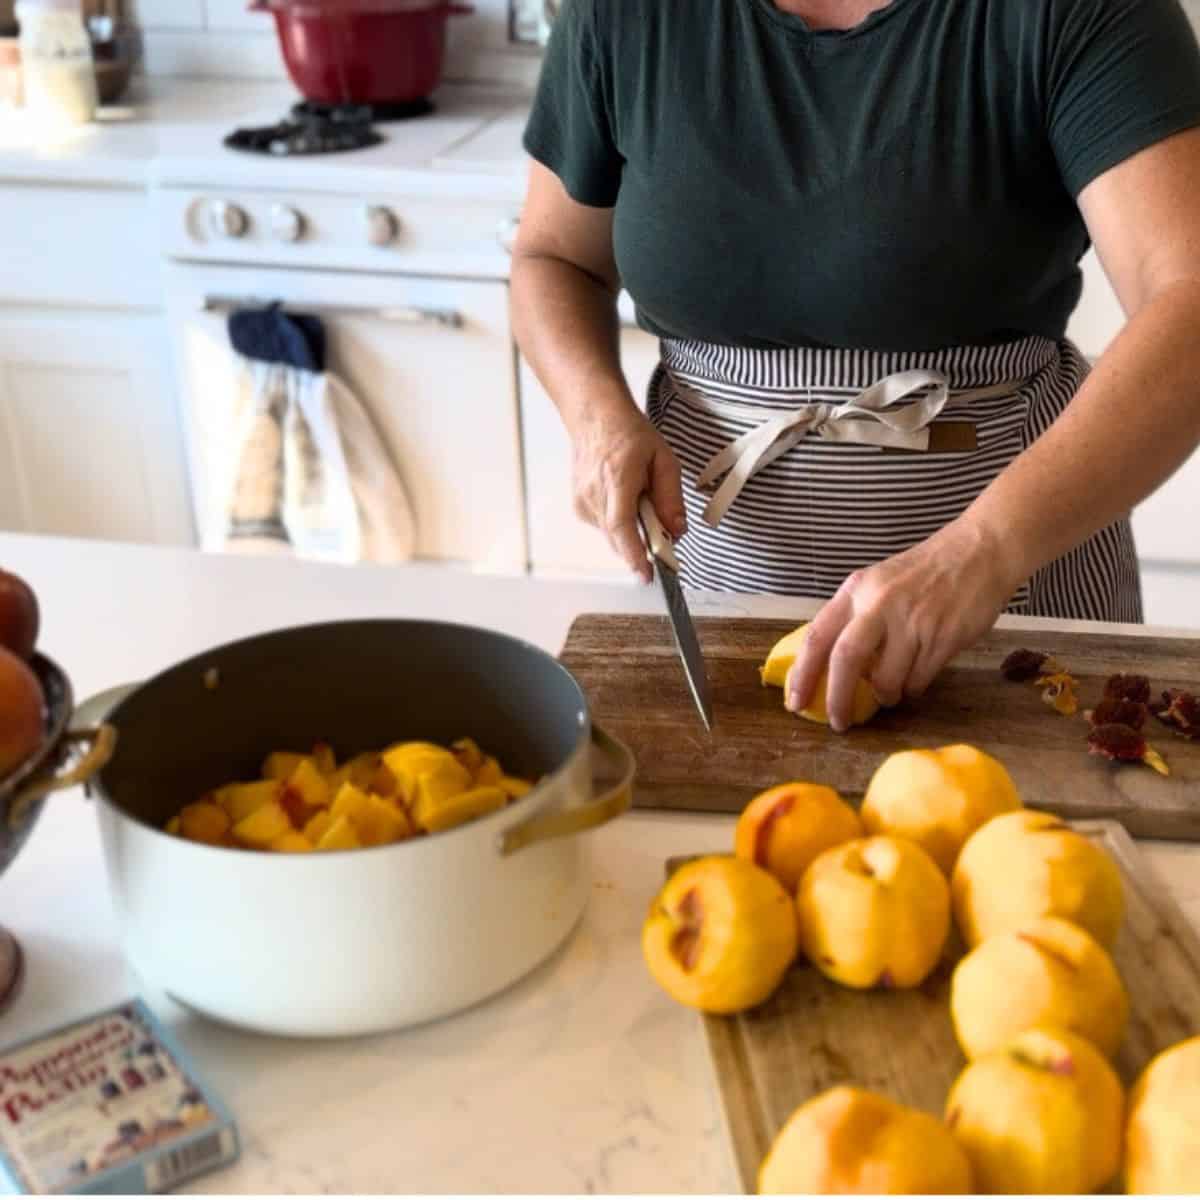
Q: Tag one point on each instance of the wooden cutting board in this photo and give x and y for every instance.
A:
(813, 1034)
(628, 667)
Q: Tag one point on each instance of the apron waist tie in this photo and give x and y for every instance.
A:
(868, 419)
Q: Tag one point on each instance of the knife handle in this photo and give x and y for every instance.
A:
(658, 541)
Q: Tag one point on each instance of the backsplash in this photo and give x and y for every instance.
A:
(222, 37)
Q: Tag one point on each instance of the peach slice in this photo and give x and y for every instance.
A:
(784, 828)
(489, 772)
(204, 822)
(513, 787)
(938, 798)
(380, 822)
(1045, 972)
(1029, 864)
(339, 836)
(460, 808)
(239, 800)
(874, 912)
(720, 934)
(318, 826)
(779, 661)
(1161, 1150)
(847, 1141)
(292, 842)
(1041, 1115)
(279, 764)
(263, 826)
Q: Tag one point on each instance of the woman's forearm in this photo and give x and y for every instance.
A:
(565, 322)
(1132, 424)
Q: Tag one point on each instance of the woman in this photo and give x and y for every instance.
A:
(856, 229)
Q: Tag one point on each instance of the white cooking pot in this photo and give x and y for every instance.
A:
(353, 941)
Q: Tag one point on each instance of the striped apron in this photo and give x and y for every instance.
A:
(801, 466)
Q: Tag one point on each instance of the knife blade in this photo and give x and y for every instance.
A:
(661, 555)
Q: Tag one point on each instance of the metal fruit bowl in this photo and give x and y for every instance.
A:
(66, 757)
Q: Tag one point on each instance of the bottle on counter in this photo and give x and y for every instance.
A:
(56, 62)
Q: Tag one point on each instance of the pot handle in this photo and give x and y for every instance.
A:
(600, 809)
(68, 767)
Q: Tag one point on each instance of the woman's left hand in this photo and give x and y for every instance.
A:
(898, 623)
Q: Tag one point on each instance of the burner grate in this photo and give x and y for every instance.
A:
(311, 129)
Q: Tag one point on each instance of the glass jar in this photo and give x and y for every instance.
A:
(56, 62)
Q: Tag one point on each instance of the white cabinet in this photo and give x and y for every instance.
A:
(89, 430)
(560, 543)
(430, 359)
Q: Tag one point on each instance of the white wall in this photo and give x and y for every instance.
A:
(221, 37)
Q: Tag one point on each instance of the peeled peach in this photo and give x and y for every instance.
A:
(1161, 1150)
(874, 912)
(1041, 1115)
(775, 670)
(19, 616)
(938, 798)
(784, 828)
(847, 1140)
(720, 935)
(1029, 864)
(22, 708)
(1045, 972)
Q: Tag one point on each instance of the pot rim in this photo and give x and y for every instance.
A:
(339, 9)
(541, 795)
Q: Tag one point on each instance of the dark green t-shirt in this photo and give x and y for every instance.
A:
(906, 184)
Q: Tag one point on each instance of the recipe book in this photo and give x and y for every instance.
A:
(107, 1104)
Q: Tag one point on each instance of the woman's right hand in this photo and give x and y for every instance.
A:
(618, 456)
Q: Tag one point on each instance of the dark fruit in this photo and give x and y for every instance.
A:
(19, 616)
(1128, 687)
(22, 708)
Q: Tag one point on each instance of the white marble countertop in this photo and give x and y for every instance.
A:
(170, 130)
(582, 1077)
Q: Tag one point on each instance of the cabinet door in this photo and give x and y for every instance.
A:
(431, 361)
(560, 543)
(89, 429)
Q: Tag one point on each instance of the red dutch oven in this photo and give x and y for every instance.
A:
(363, 51)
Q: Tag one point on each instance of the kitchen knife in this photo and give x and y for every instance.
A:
(661, 554)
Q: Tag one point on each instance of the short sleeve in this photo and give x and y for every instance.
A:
(1122, 75)
(570, 127)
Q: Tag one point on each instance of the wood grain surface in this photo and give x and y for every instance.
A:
(627, 666)
(813, 1034)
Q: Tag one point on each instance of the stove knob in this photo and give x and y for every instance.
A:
(382, 224)
(286, 223)
(226, 219)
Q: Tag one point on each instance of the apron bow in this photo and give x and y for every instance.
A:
(869, 419)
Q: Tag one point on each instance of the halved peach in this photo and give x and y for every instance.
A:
(775, 670)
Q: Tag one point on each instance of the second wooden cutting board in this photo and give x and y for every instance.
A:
(813, 1034)
(627, 665)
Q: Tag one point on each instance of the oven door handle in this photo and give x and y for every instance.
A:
(407, 314)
